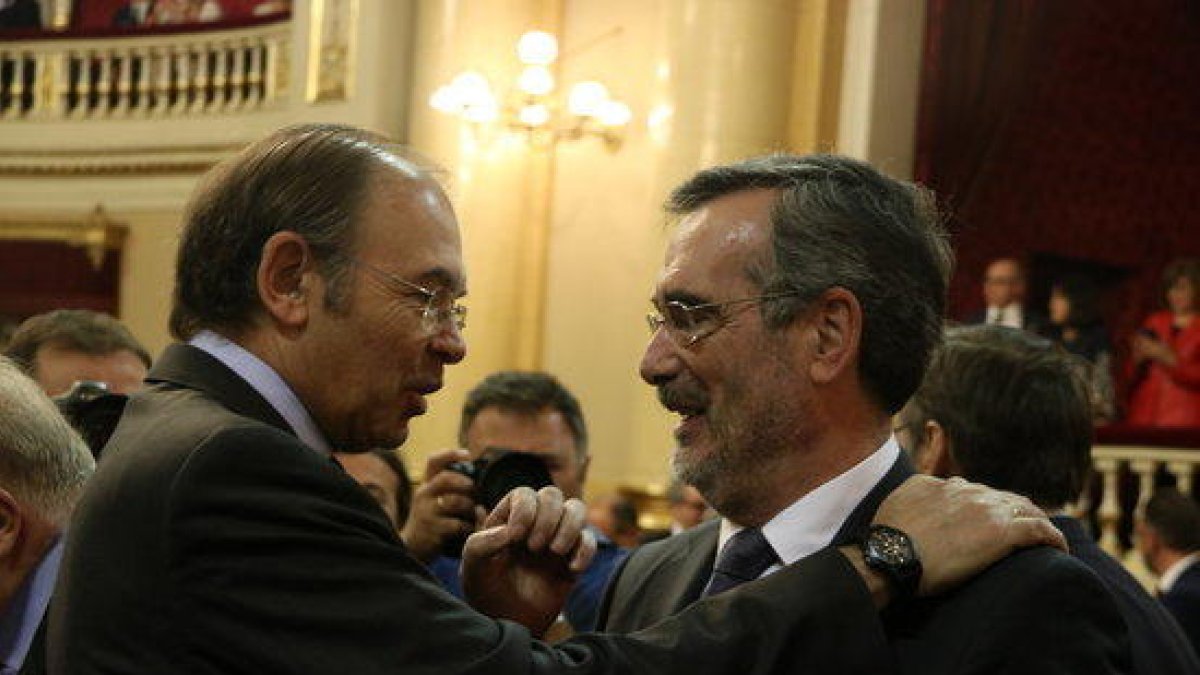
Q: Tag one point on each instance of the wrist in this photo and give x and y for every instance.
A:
(877, 585)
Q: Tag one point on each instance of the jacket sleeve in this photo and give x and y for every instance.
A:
(283, 564)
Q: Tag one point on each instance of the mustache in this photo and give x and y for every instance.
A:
(682, 397)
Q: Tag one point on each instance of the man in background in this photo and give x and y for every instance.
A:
(1168, 537)
(616, 516)
(687, 506)
(529, 412)
(797, 309)
(65, 346)
(1004, 289)
(1011, 410)
(43, 466)
(383, 475)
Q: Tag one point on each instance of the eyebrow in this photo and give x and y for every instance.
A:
(683, 297)
(442, 278)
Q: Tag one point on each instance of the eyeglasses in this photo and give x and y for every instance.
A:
(439, 306)
(689, 324)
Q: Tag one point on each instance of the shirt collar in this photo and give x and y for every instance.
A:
(20, 622)
(811, 522)
(267, 383)
(1168, 579)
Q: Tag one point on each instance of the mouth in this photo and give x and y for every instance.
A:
(691, 408)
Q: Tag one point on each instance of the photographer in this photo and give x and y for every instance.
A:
(529, 413)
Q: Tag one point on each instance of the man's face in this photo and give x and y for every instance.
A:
(57, 368)
(741, 390)
(366, 367)
(377, 478)
(1003, 284)
(1181, 296)
(544, 433)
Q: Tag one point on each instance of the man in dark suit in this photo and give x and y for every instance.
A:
(1011, 410)
(797, 309)
(43, 466)
(1004, 289)
(316, 301)
(1168, 536)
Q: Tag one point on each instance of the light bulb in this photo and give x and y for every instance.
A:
(536, 81)
(483, 111)
(586, 98)
(445, 99)
(614, 114)
(472, 88)
(537, 48)
(534, 115)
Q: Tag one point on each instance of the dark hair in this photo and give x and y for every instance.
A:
(1015, 409)
(1084, 299)
(404, 488)
(310, 179)
(1176, 518)
(526, 393)
(78, 330)
(625, 515)
(1182, 268)
(840, 222)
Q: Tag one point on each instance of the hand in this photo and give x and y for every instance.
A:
(523, 564)
(1148, 348)
(442, 508)
(960, 528)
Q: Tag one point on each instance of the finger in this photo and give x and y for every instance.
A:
(570, 527)
(487, 543)
(456, 505)
(450, 482)
(517, 510)
(549, 515)
(480, 516)
(1025, 532)
(584, 552)
(438, 461)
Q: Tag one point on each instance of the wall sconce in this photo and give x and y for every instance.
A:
(532, 107)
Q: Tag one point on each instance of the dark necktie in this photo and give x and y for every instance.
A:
(744, 558)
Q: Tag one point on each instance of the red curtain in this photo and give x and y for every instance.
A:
(1065, 130)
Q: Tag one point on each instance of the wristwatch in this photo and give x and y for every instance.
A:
(892, 553)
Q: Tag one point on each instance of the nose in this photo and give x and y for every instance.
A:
(449, 344)
(661, 362)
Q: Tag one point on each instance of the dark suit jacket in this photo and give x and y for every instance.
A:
(1159, 645)
(35, 658)
(1183, 600)
(211, 540)
(1032, 321)
(1038, 611)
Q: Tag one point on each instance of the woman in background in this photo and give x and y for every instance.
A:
(1166, 354)
(1075, 324)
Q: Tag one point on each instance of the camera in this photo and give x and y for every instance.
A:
(496, 472)
(93, 411)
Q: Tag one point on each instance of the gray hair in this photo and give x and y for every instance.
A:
(838, 222)
(43, 461)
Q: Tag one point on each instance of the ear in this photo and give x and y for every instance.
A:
(934, 456)
(285, 279)
(837, 319)
(11, 523)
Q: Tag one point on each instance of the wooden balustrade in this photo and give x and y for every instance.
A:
(151, 76)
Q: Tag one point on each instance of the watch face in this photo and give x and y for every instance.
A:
(892, 545)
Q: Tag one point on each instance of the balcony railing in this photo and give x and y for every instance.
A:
(147, 76)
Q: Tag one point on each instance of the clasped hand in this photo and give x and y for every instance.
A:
(523, 562)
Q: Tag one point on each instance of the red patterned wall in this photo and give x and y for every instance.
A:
(1095, 155)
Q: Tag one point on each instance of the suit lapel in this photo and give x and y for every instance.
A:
(186, 366)
(859, 520)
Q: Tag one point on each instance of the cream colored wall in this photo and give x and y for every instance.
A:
(708, 80)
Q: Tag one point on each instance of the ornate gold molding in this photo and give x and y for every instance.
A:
(136, 161)
(331, 46)
(96, 233)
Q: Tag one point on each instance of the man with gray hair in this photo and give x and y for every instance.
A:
(43, 466)
(797, 309)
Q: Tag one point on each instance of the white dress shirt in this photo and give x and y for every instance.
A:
(1012, 316)
(267, 383)
(809, 524)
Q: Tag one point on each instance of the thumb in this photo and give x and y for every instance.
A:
(487, 543)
